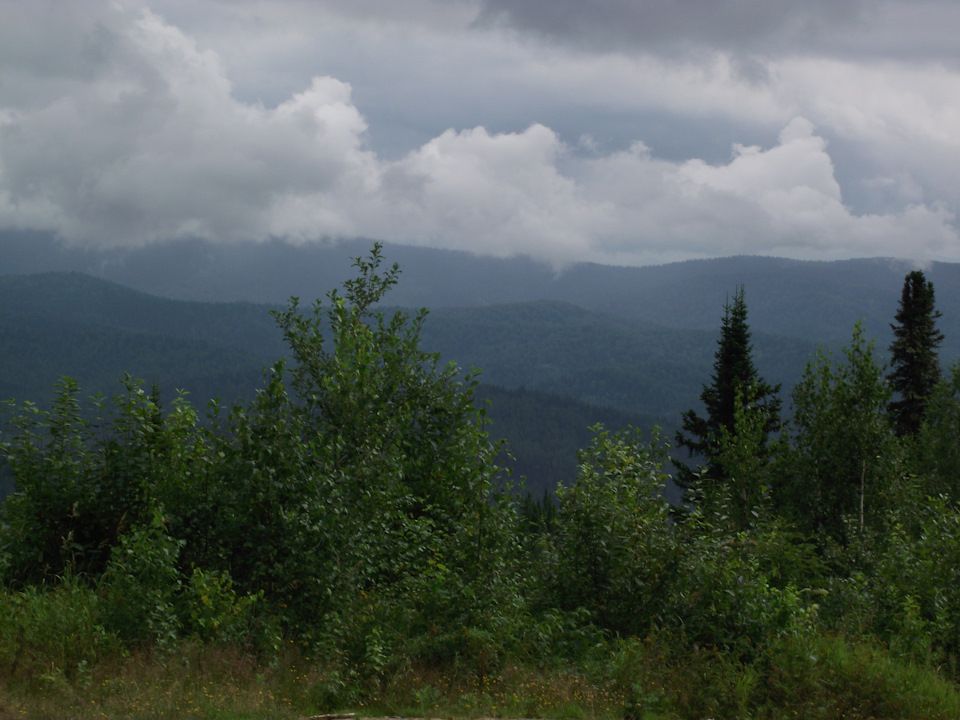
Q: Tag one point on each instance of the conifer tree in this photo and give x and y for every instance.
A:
(734, 375)
(915, 368)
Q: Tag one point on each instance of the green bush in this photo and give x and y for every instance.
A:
(612, 552)
(917, 586)
(739, 591)
(211, 610)
(50, 632)
(82, 483)
(140, 585)
(356, 497)
(411, 532)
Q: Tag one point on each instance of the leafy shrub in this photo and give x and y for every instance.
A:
(612, 552)
(918, 586)
(211, 611)
(50, 631)
(844, 457)
(357, 495)
(935, 453)
(557, 635)
(140, 585)
(731, 592)
(81, 484)
(399, 482)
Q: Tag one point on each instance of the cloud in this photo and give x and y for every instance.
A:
(496, 193)
(784, 200)
(154, 145)
(773, 28)
(132, 132)
(620, 24)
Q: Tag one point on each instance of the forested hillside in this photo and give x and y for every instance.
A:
(93, 331)
(555, 347)
(544, 433)
(85, 301)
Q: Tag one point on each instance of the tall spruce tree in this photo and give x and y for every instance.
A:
(915, 368)
(734, 377)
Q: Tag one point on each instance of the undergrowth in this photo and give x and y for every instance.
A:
(84, 673)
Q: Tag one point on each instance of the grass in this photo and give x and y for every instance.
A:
(193, 682)
(514, 692)
(209, 682)
(56, 663)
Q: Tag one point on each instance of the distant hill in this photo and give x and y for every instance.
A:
(550, 346)
(598, 358)
(820, 301)
(79, 299)
(816, 301)
(545, 432)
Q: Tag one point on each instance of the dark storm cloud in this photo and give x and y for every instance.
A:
(908, 29)
(750, 25)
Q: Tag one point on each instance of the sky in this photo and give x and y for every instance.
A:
(615, 131)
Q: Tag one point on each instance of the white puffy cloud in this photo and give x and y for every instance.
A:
(154, 146)
(524, 193)
(497, 194)
(783, 200)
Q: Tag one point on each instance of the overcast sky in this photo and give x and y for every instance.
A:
(618, 131)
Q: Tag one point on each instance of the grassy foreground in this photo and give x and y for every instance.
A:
(830, 677)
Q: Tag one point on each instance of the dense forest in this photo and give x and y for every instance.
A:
(349, 538)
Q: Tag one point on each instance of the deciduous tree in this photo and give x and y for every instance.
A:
(844, 456)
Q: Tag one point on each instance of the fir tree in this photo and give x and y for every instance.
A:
(734, 375)
(915, 368)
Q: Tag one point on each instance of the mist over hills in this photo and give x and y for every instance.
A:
(818, 301)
